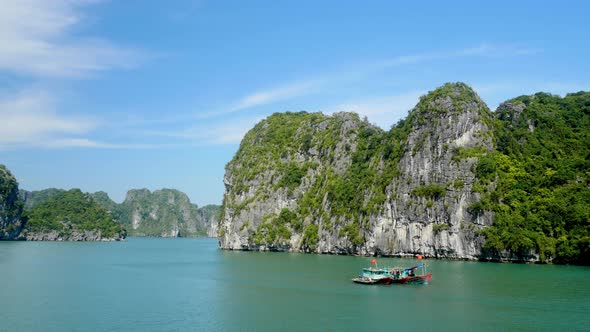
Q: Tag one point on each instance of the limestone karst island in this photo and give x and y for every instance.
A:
(451, 180)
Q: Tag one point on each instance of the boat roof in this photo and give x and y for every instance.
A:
(387, 268)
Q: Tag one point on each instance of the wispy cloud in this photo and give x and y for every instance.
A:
(29, 119)
(383, 111)
(61, 143)
(492, 50)
(360, 71)
(275, 94)
(482, 50)
(227, 132)
(41, 39)
(36, 38)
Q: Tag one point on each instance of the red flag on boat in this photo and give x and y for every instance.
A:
(373, 262)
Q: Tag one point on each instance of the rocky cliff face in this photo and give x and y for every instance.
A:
(209, 216)
(426, 210)
(10, 206)
(165, 213)
(336, 184)
(74, 235)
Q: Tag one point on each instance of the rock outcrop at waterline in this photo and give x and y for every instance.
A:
(337, 184)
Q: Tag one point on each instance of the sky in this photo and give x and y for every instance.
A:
(114, 95)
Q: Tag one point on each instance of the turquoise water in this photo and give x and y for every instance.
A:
(188, 284)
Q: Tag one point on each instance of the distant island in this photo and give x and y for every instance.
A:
(451, 180)
(59, 215)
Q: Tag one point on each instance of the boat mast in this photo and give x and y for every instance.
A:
(419, 257)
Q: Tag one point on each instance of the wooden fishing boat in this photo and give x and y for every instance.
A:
(393, 275)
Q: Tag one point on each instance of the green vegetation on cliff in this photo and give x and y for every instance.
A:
(432, 191)
(542, 172)
(71, 211)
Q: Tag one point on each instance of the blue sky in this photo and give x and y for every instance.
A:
(113, 95)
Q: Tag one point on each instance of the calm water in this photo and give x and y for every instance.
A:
(188, 284)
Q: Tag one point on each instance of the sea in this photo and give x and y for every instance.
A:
(155, 284)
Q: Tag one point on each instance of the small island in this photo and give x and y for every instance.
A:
(60, 216)
(71, 215)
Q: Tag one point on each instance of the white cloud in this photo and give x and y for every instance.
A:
(36, 39)
(40, 39)
(274, 94)
(383, 111)
(28, 118)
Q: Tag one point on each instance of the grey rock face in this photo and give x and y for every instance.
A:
(440, 226)
(247, 203)
(209, 216)
(73, 236)
(449, 130)
(510, 112)
(165, 213)
(10, 206)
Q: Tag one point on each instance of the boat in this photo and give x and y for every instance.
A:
(364, 280)
(393, 275)
(409, 276)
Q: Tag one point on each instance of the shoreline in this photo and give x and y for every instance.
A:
(466, 259)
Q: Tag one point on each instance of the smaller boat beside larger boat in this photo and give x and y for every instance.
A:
(393, 275)
(364, 280)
